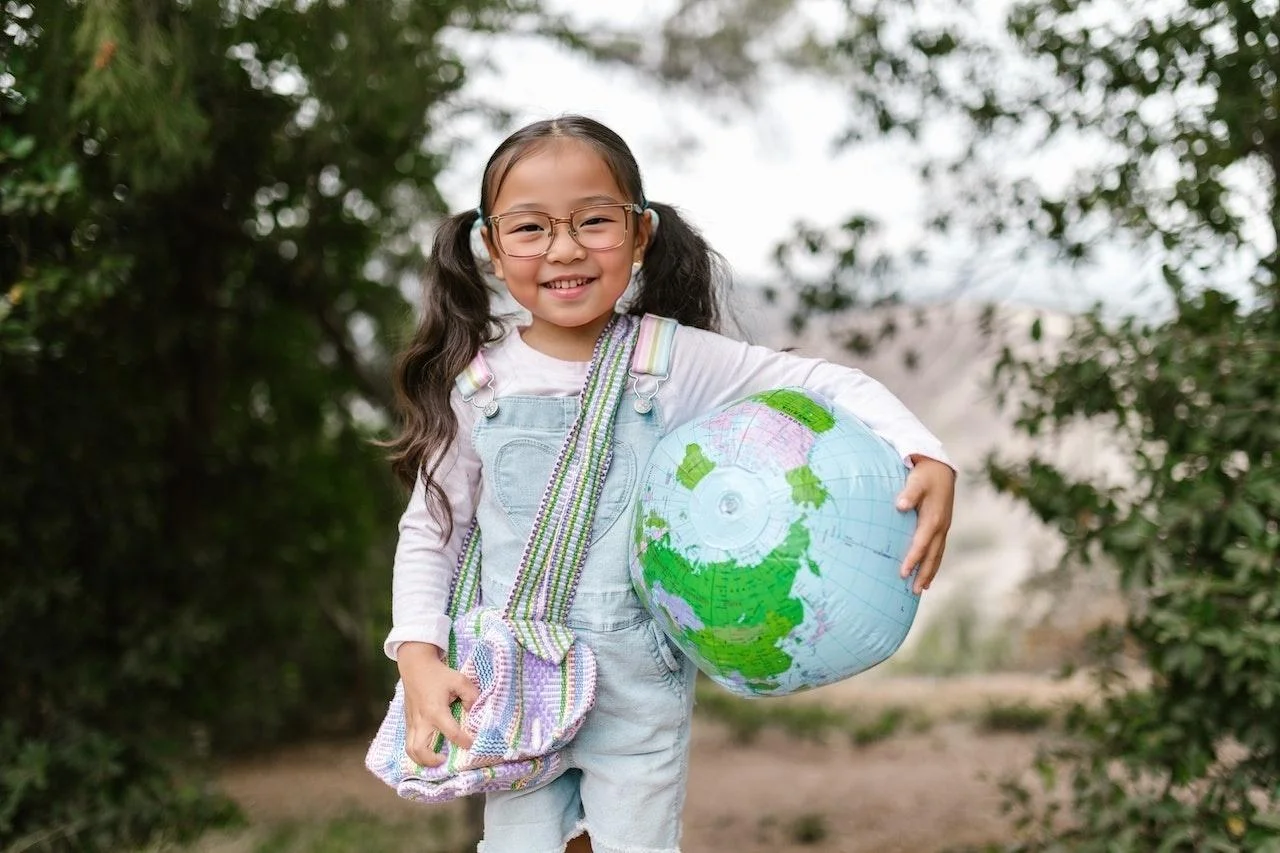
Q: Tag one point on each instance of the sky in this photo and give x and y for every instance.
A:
(746, 174)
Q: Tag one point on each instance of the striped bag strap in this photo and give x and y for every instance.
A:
(464, 591)
(556, 549)
(573, 490)
(651, 362)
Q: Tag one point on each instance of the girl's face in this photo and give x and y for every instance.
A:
(569, 291)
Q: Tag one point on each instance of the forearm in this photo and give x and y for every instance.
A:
(426, 556)
(710, 370)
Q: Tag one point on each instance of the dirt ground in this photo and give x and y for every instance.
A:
(915, 791)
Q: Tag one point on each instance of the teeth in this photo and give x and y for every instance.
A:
(567, 284)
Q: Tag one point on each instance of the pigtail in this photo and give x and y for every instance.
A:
(457, 319)
(682, 277)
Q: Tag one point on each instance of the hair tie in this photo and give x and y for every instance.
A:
(478, 247)
(654, 218)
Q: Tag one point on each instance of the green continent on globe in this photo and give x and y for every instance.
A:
(744, 609)
(799, 407)
(695, 466)
(652, 520)
(806, 488)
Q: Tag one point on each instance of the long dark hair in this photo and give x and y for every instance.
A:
(682, 278)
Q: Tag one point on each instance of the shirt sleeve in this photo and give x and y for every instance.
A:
(710, 370)
(425, 557)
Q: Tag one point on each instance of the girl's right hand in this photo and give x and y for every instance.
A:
(430, 688)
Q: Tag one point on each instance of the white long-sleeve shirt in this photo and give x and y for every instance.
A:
(707, 371)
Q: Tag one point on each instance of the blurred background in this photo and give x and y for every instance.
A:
(1050, 227)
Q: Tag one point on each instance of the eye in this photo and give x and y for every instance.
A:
(524, 226)
(596, 218)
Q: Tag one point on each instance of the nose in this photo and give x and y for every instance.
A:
(566, 249)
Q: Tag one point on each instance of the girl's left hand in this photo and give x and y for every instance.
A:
(931, 491)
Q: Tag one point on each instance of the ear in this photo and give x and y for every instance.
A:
(644, 233)
(495, 257)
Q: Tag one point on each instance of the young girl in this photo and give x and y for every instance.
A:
(566, 225)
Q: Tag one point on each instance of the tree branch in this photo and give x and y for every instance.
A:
(375, 387)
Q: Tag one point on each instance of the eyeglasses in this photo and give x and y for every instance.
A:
(528, 234)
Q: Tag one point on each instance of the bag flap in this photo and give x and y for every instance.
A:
(547, 640)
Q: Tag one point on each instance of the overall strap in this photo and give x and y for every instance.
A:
(476, 379)
(652, 359)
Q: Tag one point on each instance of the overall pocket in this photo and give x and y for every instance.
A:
(523, 462)
(668, 661)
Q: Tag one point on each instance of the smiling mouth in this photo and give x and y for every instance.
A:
(567, 283)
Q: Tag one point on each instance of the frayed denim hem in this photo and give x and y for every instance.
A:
(599, 845)
(579, 829)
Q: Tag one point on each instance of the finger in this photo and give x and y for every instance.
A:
(911, 493)
(930, 565)
(449, 727)
(466, 690)
(419, 748)
(916, 552)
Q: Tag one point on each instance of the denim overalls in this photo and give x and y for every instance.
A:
(628, 762)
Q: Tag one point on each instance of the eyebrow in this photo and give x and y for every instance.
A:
(585, 201)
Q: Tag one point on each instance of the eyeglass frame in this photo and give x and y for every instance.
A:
(627, 206)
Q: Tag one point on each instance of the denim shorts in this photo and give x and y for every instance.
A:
(627, 766)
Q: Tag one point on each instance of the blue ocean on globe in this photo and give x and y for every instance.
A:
(767, 544)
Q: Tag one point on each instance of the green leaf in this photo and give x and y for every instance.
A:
(22, 147)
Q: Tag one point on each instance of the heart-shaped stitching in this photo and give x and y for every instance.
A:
(523, 466)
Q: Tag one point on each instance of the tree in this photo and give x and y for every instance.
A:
(207, 211)
(1189, 97)
(1176, 109)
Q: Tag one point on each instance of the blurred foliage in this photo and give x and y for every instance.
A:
(1190, 761)
(1162, 124)
(1042, 124)
(359, 832)
(1188, 98)
(1017, 717)
(746, 719)
(959, 640)
(206, 212)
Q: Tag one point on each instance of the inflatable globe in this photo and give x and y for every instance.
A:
(767, 545)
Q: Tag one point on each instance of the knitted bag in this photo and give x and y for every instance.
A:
(536, 680)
